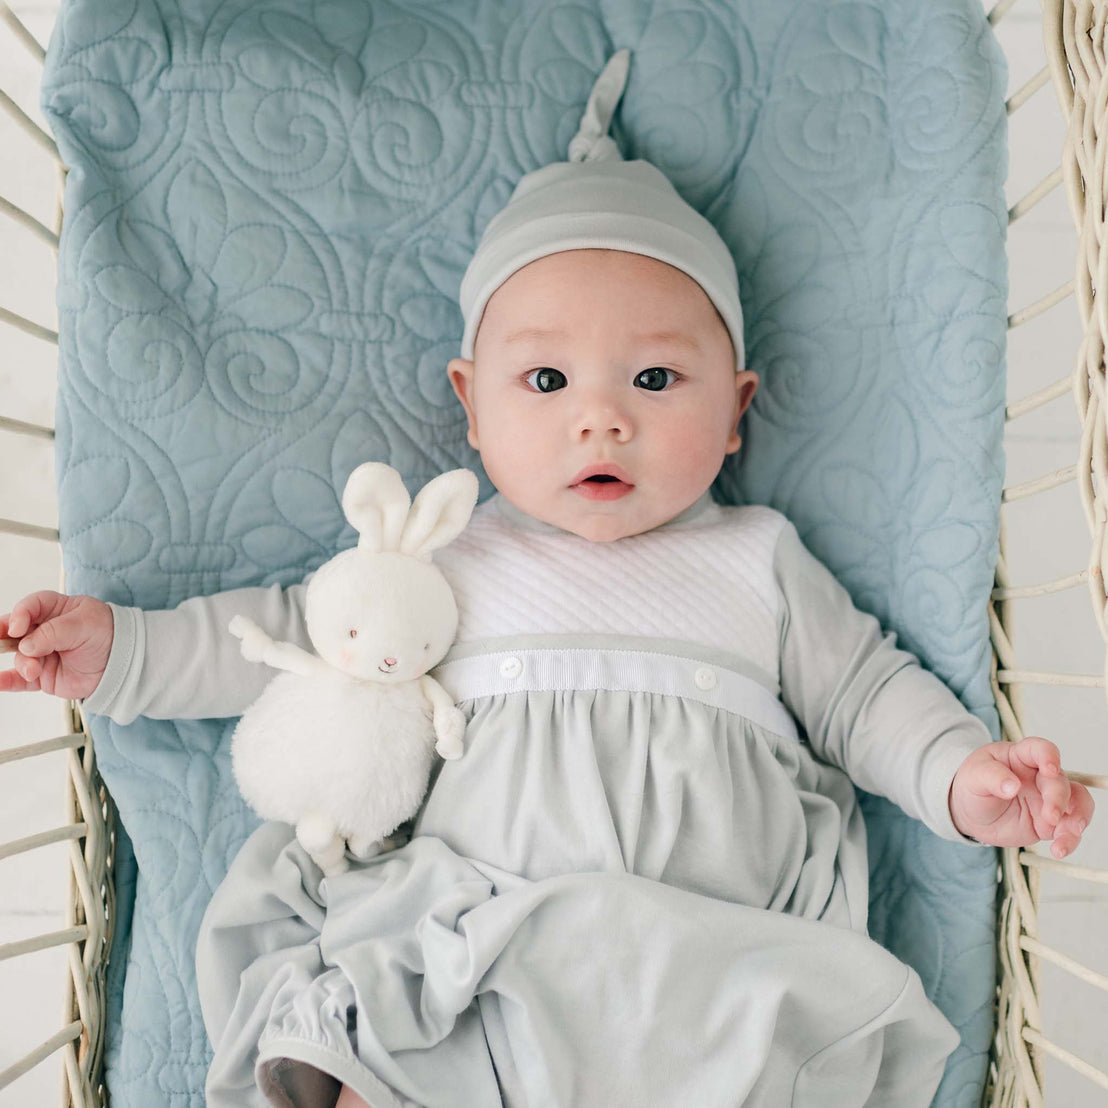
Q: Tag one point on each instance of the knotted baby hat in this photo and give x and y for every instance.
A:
(598, 200)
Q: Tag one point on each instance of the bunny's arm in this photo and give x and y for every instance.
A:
(289, 656)
(449, 721)
(438, 696)
(257, 646)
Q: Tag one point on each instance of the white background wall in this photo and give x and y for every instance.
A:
(1048, 538)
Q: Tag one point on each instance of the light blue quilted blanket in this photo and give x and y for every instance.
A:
(269, 208)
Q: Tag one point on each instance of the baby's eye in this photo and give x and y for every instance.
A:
(548, 380)
(654, 379)
(353, 633)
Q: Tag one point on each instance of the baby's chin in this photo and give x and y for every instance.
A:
(620, 522)
(602, 531)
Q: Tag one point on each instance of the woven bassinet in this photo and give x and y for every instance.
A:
(1076, 41)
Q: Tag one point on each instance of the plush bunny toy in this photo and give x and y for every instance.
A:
(340, 745)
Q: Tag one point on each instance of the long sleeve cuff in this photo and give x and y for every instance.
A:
(939, 769)
(128, 647)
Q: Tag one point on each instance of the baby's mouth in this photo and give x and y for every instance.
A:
(602, 486)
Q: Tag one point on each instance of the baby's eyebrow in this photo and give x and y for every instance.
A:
(657, 338)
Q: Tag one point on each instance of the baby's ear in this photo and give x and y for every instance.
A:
(460, 372)
(746, 385)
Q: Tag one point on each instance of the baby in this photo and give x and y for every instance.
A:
(619, 894)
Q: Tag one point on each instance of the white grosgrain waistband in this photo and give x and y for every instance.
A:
(616, 670)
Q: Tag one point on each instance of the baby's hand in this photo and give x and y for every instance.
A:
(1014, 794)
(61, 644)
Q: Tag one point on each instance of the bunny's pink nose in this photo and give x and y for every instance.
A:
(390, 661)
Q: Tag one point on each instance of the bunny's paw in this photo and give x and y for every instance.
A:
(322, 843)
(239, 625)
(332, 862)
(450, 726)
(362, 847)
(254, 639)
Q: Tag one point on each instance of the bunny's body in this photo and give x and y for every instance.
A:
(301, 728)
(341, 744)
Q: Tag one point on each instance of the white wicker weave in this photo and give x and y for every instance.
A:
(1074, 33)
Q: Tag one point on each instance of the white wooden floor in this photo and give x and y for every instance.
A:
(1049, 534)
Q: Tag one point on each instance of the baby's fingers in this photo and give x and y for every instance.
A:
(58, 634)
(993, 778)
(1041, 757)
(8, 644)
(35, 608)
(1034, 753)
(1054, 789)
(11, 680)
(1072, 825)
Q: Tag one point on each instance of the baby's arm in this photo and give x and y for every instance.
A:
(179, 663)
(868, 706)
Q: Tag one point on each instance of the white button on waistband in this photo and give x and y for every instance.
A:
(705, 678)
(511, 667)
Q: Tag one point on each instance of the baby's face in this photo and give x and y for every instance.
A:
(603, 388)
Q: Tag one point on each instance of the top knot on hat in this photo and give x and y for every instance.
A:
(592, 143)
(597, 200)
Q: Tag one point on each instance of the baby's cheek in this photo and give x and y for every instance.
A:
(690, 453)
(346, 656)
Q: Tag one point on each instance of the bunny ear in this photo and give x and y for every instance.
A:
(440, 512)
(376, 503)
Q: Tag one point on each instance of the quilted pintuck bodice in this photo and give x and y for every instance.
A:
(514, 575)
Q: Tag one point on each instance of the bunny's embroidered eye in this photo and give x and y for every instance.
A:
(353, 633)
(426, 646)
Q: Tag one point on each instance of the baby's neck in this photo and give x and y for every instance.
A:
(519, 518)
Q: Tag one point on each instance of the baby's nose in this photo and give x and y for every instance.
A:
(604, 419)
